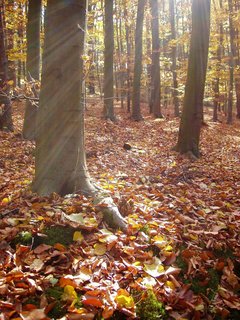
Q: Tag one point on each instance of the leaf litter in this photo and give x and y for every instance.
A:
(183, 233)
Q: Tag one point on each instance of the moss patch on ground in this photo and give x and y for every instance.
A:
(24, 238)
(149, 308)
(55, 234)
(54, 294)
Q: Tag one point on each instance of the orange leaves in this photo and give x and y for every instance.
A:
(183, 221)
(95, 302)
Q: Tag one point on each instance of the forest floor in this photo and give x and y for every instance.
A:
(180, 258)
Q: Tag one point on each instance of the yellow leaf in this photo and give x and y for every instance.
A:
(168, 248)
(170, 284)
(99, 249)
(155, 269)
(159, 241)
(77, 236)
(11, 82)
(26, 181)
(6, 200)
(124, 299)
(69, 294)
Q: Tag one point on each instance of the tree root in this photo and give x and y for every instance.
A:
(110, 211)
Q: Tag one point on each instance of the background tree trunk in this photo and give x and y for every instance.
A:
(60, 151)
(5, 103)
(191, 120)
(32, 64)
(216, 104)
(136, 111)
(108, 61)
(155, 68)
(174, 58)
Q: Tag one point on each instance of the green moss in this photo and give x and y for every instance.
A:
(224, 253)
(24, 238)
(182, 264)
(145, 229)
(58, 234)
(210, 289)
(54, 294)
(32, 300)
(234, 315)
(237, 268)
(149, 308)
(213, 283)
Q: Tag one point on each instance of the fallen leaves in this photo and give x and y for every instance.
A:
(182, 240)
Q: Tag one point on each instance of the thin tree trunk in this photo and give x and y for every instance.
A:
(136, 110)
(231, 63)
(155, 71)
(32, 64)
(216, 104)
(108, 62)
(174, 58)
(5, 103)
(10, 44)
(129, 52)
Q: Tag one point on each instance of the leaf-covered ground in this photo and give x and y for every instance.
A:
(181, 256)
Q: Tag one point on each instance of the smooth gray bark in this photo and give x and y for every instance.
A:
(191, 120)
(136, 111)
(155, 101)
(60, 151)
(108, 61)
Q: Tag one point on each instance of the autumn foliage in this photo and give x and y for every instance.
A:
(180, 257)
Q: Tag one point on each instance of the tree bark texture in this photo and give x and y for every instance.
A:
(216, 105)
(155, 68)
(5, 103)
(234, 57)
(191, 120)
(60, 151)
(129, 52)
(136, 111)
(32, 64)
(174, 58)
(108, 61)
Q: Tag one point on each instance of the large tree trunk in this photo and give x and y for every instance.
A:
(191, 120)
(5, 103)
(136, 111)
(108, 61)
(33, 64)
(60, 151)
(155, 68)
(174, 58)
